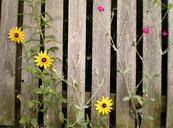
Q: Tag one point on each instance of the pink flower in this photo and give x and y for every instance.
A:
(101, 8)
(164, 33)
(146, 30)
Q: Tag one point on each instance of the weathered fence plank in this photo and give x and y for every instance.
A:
(126, 61)
(76, 56)
(29, 81)
(152, 63)
(8, 61)
(100, 55)
(55, 12)
(169, 115)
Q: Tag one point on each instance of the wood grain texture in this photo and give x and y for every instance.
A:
(7, 64)
(29, 81)
(152, 63)
(126, 61)
(76, 56)
(55, 10)
(100, 55)
(169, 115)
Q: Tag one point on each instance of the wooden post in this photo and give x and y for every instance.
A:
(152, 63)
(76, 58)
(169, 112)
(100, 55)
(55, 10)
(126, 62)
(8, 60)
(29, 81)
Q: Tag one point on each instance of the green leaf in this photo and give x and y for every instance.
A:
(154, 2)
(61, 117)
(170, 6)
(50, 37)
(149, 101)
(79, 117)
(148, 118)
(141, 110)
(171, 46)
(23, 120)
(53, 49)
(34, 123)
(32, 103)
(139, 99)
(152, 99)
(34, 71)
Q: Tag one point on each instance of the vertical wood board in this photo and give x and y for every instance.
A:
(8, 61)
(29, 81)
(126, 62)
(169, 112)
(76, 56)
(54, 8)
(152, 63)
(100, 55)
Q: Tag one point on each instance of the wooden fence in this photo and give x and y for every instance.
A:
(85, 43)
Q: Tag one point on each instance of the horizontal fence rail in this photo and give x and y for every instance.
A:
(126, 35)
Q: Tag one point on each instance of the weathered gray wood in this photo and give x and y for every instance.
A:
(152, 63)
(169, 112)
(100, 55)
(126, 61)
(55, 10)
(7, 64)
(76, 56)
(29, 82)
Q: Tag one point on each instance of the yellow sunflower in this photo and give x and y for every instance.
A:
(16, 34)
(104, 105)
(43, 60)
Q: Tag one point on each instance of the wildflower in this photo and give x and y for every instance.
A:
(146, 30)
(43, 59)
(164, 33)
(104, 105)
(101, 8)
(16, 35)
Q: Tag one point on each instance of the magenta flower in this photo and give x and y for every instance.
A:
(101, 8)
(164, 33)
(146, 30)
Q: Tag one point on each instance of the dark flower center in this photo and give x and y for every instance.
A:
(16, 35)
(43, 59)
(104, 105)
